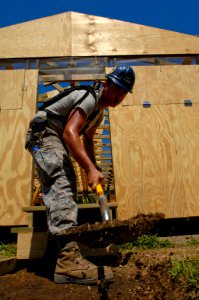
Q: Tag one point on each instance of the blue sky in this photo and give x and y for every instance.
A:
(175, 15)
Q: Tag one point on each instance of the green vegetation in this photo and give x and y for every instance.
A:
(192, 242)
(7, 250)
(187, 270)
(146, 242)
(126, 246)
(151, 241)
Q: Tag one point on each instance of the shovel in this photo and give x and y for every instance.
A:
(103, 204)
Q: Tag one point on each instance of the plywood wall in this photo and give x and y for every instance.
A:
(165, 85)
(104, 36)
(156, 149)
(45, 37)
(76, 34)
(18, 92)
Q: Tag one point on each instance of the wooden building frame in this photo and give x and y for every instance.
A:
(153, 133)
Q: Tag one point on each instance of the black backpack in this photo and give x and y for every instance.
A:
(66, 92)
(87, 89)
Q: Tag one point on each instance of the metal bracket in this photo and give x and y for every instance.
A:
(188, 102)
(146, 104)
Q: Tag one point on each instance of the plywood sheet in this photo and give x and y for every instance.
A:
(45, 37)
(185, 124)
(92, 35)
(75, 34)
(15, 162)
(12, 89)
(164, 84)
(155, 159)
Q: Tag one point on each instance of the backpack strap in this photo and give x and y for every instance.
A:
(63, 118)
(66, 92)
(90, 119)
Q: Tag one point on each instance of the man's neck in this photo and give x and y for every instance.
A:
(102, 99)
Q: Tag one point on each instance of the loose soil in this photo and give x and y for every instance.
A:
(115, 231)
(138, 274)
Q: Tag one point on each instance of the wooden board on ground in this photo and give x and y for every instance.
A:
(31, 244)
(18, 106)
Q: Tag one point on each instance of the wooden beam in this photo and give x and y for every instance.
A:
(70, 77)
(31, 245)
(187, 61)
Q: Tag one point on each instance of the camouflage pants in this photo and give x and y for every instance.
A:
(57, 177)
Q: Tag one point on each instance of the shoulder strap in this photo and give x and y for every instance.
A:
(90, 119)
(66, 92)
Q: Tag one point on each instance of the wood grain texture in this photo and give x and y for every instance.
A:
(45, 37)
(15, 162)
(92, 35)
(31, 244)
(164, 85)
(11, 94)
(185, 123)
(75, 34)
(155, 159)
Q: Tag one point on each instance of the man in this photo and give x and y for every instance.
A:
(53, 133)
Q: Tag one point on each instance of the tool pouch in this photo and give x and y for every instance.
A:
(35, 131)
(38, 124)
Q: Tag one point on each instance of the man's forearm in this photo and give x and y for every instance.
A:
(89, 149)
(78, 151)
(82, 155)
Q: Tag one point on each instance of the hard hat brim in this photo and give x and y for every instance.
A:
(119, 84)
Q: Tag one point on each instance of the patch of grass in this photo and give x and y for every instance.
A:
(126, 246)
(7, 250)
(151, 241)
(192, 242)
(187, 270)
(146, 242)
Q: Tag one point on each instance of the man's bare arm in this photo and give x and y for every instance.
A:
(71, 136)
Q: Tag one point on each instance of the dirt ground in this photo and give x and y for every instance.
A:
(138, 274)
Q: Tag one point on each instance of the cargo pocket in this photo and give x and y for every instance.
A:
(47, 161)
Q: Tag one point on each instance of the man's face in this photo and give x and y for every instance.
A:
(113, 94)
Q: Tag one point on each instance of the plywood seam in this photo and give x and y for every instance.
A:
(161, 104)
(23, 87)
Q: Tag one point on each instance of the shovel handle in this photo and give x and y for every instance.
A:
(99, 189)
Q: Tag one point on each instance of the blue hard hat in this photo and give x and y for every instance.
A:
(123, 76)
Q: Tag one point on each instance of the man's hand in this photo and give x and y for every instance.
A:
(95, 177)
